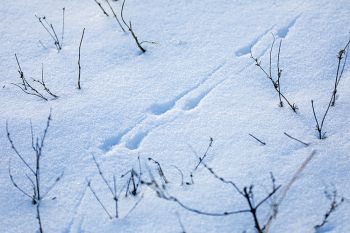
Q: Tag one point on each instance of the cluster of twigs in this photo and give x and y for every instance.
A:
(273, 197)
(246, 193)
(335, 203)
(342, 58)
(101, 7)
(211, 141)
(49, 28)
(114, 192)
(28, 87)
(34, 175)
(276, 82)
(123, 24)
(133, 190)
(160, 171)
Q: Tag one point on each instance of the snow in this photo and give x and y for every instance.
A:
(197, 82)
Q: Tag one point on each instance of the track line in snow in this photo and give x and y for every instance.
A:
(193, 102)
(283, 31)
(163, 113)
(72, 224)
(159, 109)
(115, 140)
(133, 139)
(133, 142)
(248, 47)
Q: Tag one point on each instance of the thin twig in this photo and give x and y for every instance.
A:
(98, 199)
(263, 143)
(38, 216)
(335, 203)
(101, 7)
(211, 140)
(115, 16)
(115, 196)
(129, 26)
(180, 223)
(21, 73)
(16, 151)
(160, 170)
(42, 83)
(134, 207)
(17, 187)
(101, 174)
(304, 143)
(63, 11)
(82, 36)
(276, 84)
(279, 73)
(182, 175)
(53, 184)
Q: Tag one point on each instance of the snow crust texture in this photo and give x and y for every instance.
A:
(196, 82)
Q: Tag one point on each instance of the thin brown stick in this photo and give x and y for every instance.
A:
(276, 83)
(263, 143)
(304, 143)
(79, 66)
(129, 26)
(15, 149)
(279, 73)
(101, 7)
(98, 200)
(115, 16)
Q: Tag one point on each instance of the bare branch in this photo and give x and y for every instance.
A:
(211, 140)
(15, 149)
(115, 16)
(98, 199)
(129, 26)
(102, 9)
(160, 170)
(263, 143)
(79, 66)
(304, 143)
(102, 176)
(17, 187)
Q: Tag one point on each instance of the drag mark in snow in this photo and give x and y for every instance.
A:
(192, 103)
(135, 141)
(247, 48)
(283, 31)
(115, 140)
(134, 136)
(159, 109)
(72, 225)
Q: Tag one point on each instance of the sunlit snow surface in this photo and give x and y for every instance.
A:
(198, 81)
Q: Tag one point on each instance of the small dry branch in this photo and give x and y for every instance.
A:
(276, 81)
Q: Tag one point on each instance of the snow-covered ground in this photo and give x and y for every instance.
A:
(198, 81)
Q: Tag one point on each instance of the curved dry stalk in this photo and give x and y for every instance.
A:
(129, 26)
(115, 16)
